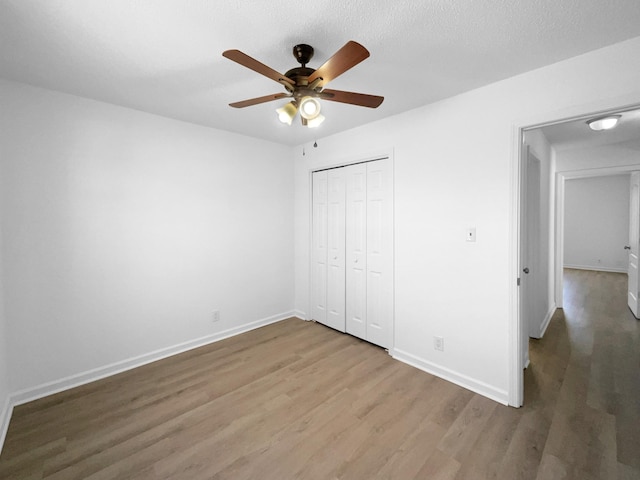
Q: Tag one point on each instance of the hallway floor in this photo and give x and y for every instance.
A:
(585, 376)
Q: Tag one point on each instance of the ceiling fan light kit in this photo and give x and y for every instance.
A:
(305, 86)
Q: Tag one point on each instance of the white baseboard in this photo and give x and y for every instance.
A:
(547, 320)
(500, 396)
(300, 314)
(597, 268)
(83, 378)
(7, 410)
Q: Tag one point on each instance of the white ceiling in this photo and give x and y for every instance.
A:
(165, 56)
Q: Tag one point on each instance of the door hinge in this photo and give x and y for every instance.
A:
(518, 283)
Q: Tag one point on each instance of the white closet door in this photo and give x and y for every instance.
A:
(356, 246)
(352, 240)
(336, 249)
(319, 247)
(379, 252)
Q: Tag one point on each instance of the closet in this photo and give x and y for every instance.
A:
(352, 250)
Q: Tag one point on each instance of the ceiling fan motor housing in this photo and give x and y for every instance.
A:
(299, 75)
(303, 53)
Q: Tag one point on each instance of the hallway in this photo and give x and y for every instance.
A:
(585, 377)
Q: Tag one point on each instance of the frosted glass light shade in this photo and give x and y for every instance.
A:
(314, 122)
(604, 123)
(287, 113)
(309, 108)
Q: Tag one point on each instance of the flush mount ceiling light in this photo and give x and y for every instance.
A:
(604, 123)
(305, 86)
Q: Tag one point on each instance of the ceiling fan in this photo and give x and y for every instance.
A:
(304, 85)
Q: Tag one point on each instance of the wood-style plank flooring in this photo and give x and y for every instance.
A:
(296, 400)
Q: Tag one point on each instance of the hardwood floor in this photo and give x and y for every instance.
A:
(296, 400)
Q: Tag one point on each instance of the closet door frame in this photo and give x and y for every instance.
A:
(388, 154)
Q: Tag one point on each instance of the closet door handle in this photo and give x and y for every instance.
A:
(627, 247)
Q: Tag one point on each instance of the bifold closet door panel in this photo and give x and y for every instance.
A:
(336, 249)
(319, 247)
(352, 257)
(356, 247)
(379, 240)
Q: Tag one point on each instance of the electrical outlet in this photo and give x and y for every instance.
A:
(438, 343)
(216, 316)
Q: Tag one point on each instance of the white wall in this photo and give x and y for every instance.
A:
(454, 165)
(123, 231)
(596, 223)
(580, 159)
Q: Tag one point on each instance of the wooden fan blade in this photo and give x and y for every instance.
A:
(347, 57)
(360, 99)
(258, 100)
(253, 64)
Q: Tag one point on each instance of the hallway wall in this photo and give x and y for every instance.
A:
(596, 223)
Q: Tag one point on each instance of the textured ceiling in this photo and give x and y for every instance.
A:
(165, 56)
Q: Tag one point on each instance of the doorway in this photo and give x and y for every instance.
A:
(567, 139)
(582, 260)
